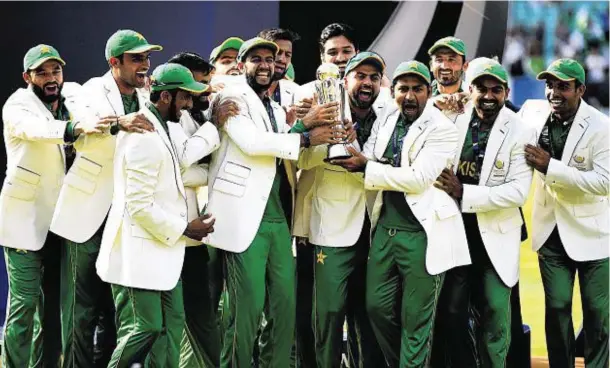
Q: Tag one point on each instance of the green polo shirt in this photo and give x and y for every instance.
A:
(130, 103)
(554, 135)
(396, 213)
(468, 171)
(157, 114)
(62, 113)
(364, 126)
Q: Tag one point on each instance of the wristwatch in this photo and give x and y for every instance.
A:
(114, 127)
(306, 138)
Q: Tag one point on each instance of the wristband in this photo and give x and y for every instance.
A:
(115, 127)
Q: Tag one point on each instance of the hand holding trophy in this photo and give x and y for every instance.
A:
(330, 88)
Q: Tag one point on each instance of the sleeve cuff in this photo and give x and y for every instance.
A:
(473, 197)
(298, 127)
(553, 172)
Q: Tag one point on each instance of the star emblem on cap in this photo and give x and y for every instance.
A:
(139, 36)
(45, 49)
(320, 257)
(413, 65)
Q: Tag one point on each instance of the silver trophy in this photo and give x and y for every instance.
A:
(330, 88)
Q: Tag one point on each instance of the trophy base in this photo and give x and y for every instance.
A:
(338, 152)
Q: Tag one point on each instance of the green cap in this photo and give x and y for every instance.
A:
(485, 66)
(126, 41)
(365, 57)
(38, 55)
(451, 42)
(255, 43)
(412, 67)
(565, 70)
(290, 72)
(229, 43)
(175, 76)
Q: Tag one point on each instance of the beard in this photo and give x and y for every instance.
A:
(453, 79)
(362, 100)
(253, 83)
(489, 108)
(279, 75)
(43, 96)
(174, 113)
(410, 110)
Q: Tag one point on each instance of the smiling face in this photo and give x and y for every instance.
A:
(226, 63)
(258, 68)
(47, 81)
(564, 97)
(488, 95)
(131, 70)
(201, 102)
(363, 84)
(411, 93)
(447, 66)
(283, 59)
(338, 50)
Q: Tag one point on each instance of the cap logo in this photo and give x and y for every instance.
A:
(45, 49)
(412, 65)
(579, 159)
(139, 36)
(499, 164)
(488, 67)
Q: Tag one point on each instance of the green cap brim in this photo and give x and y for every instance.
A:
(412, 72)
(144, 48)
(230, 43)
(564, 77)
(439, 45)
(489, 75)
(195, 87)
(43, 60)
(262, 44)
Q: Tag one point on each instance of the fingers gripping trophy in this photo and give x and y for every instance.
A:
(330, 88)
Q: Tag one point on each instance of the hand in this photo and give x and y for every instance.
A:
(200, 227)
(321, 115)
(223, 111)
(303, 107)
(326, 134)
(135, 122)
(100, 126)
(355, 163)
(217, 87)
(454, 102)
(450, 183)
(291, 114)
(350, 131)
(537, 158)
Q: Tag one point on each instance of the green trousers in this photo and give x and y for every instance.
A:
(201, 338)
(339, 292)
(558, 271)
(478, 285)
(401, 296)
(32, 335)
(150, 326)
(215, 270)
(86, 305)
(266, 267)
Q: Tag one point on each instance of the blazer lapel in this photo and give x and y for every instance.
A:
(165, 138)
(286, 94)
(462, 123)
(579, 126)
(258, 113)
(42, 108)
(498, 133)
(385, 132)
(416, 129)
(113, 95)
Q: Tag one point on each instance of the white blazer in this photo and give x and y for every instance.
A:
(503, 187)
(428, 148)
(243, 169)
(142, 245)
(574, 192)
(192, 142)
(310, 212)
(288, 89)
(36, 165)
(88, 184)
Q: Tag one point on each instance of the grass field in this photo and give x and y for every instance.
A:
(532, 293)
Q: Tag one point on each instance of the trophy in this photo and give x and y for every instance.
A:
(330, 88)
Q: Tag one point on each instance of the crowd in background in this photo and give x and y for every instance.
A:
(542, 31)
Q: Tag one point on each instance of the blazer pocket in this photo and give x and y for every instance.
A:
(80, 183)
(332, 185)
(590, 209)
(138, 232)
(229, 187)
(88, 165)
(509, 224)
(446, 212)
(237, 170)
(23, 191)
(27, 175)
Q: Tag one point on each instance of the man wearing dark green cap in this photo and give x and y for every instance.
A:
(447, 63)
(340, 229)
(417, 231)
(86, 300)
(570, 215)
(40, 123)
(253, 176)
(142, 250)
(490, 179)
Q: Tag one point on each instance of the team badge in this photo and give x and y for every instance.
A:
(579, 159)
(320, 257)
(499, 164)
